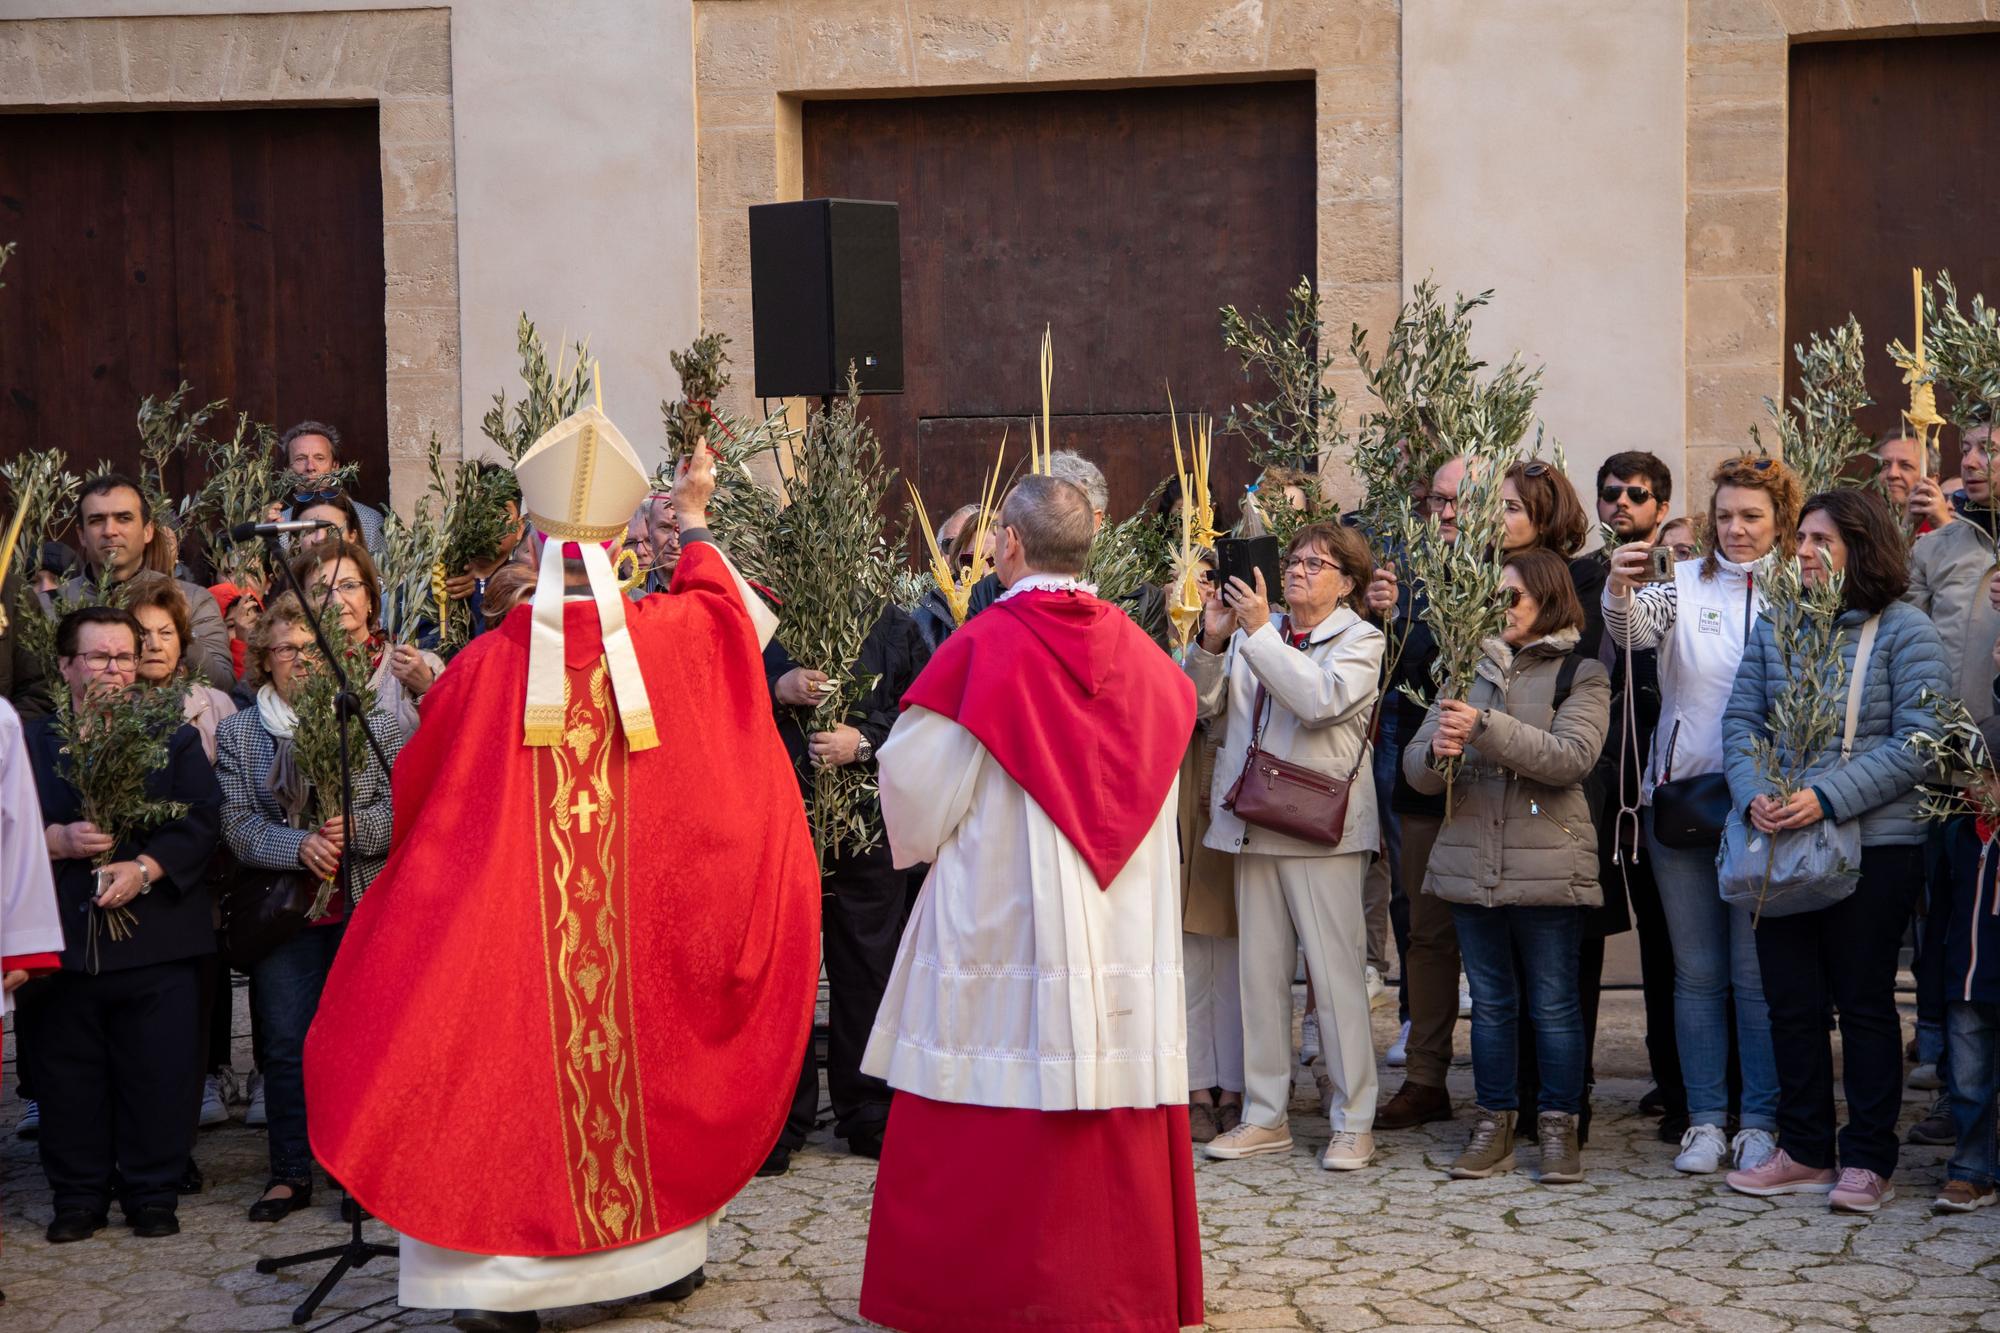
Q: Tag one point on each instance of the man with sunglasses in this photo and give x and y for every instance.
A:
(1634, 491)
(312, 451)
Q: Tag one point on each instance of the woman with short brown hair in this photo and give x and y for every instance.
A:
(1517, 857)
(1304, 686)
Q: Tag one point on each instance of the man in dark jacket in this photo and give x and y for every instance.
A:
(113, 1039)
(866, 899)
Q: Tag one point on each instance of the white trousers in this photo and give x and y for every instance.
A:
(1214, 1013)
(1283, 902)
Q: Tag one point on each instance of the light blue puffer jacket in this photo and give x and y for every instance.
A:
(1878, 781)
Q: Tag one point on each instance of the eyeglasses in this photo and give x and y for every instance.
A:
(1311, 564)
(345, 588)
(1682, 550)
(1508, 598)
(110, 661)
(1437, 502)
(1638, 495)
(286, 652)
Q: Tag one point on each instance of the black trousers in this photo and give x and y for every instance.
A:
(866, 904)
(1844, 955)
(117, 1066)
(1656, 979)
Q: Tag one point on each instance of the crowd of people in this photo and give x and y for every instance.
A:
(1580, 789)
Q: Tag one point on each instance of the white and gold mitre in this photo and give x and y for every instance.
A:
(580, 483)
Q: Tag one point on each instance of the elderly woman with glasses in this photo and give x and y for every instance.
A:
(340, 577)
(1305, 684)
(112, 1041)
(266, 816)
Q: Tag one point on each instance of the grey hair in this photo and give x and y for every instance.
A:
(309, 428)
(1072, 467)
(1054, 520)
(1933, 462)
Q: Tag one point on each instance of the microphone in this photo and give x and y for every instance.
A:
(243, 532)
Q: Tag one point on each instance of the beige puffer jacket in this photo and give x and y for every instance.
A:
(1520, 833)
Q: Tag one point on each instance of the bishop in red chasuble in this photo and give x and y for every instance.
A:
(564, 1025)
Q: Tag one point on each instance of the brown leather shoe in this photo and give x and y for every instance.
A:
(1414, 1104)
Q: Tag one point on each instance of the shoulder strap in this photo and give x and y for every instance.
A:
(1565, 677)
(1862, 650)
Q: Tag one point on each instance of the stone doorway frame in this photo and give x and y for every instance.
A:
(758, 61)
(396, 60)
(1738, 132)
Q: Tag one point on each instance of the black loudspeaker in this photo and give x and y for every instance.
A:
(826, 288)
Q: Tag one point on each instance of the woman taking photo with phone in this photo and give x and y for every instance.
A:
(1700, 620)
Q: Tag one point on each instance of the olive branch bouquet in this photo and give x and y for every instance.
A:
(1817, 434)
(1807, 709)
(114, 742)
(316, 738)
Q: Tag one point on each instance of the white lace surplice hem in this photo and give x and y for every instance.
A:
(434, 1278)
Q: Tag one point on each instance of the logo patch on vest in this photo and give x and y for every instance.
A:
(1709, 621)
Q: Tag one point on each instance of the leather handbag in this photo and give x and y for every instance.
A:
(1689, 813)
(1283, 797)
(262, 909)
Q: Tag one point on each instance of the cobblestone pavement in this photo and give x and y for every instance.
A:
(1287, 1245)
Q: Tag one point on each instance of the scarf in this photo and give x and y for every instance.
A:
(285, 781)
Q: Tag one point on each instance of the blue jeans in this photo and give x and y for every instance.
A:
(1715, 954)
(284, 995)
(1388, 755)
(1973, 1032)
(1547, 939)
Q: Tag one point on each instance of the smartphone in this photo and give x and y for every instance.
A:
(1240, 557)
(1660, 564)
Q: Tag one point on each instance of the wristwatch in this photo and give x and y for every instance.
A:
(863, 751)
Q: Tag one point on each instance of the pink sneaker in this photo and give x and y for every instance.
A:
(1780, 1175)
(1860, 1191)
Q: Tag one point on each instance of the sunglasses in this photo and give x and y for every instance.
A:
(1536, 469)
(315, 497)
(1638, 495)
(1509, 598)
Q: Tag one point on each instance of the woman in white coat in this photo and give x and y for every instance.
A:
(1313, 675)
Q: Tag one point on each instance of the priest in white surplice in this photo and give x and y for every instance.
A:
(31, 937)
(1038, 1166)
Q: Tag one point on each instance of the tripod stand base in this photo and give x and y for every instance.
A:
(354, 1254)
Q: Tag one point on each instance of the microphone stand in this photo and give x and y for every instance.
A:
(357, 1250)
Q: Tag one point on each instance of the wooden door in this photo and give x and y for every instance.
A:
(1123, 219)
(238, 250)
(1895, 163)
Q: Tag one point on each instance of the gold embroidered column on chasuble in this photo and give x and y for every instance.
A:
(582, 845)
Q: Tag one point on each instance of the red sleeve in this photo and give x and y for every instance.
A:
(700, 569)
(32, 963)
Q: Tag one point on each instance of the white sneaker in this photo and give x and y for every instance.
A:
(1702, 1150)
(1377, 992)
(213, 1112)
(1348, 1150)
(1924, 1078)
(1464, 997)
(1309, 1038)
(30, 1123)
(255, 1115)
(1752, 1148)
(1399, 1049)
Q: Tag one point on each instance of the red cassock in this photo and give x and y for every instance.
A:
(569, 1014)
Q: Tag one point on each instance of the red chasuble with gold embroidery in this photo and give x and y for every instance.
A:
(569, 1014)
